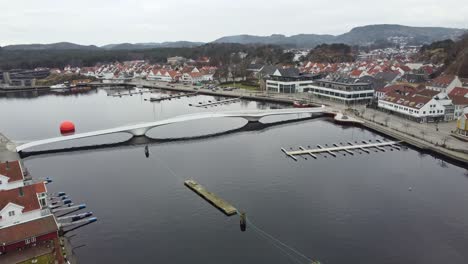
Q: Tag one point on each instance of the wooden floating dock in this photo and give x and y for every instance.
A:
(172, 97)
(212, 198)
(346, 148)
(219, 102)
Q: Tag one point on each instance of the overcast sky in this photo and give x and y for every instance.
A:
(102, 22)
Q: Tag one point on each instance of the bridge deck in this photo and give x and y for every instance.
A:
(142, 128)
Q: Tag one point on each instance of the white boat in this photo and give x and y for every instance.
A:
(62, 87)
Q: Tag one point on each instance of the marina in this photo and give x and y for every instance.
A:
(246, 170)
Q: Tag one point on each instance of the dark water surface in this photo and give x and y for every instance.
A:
(349, 209)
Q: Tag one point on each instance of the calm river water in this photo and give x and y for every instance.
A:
(386, 207)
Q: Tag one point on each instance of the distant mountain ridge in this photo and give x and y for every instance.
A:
(357, 36)
(364, 35)
(120, 46)
(52, 46)
(152, 45)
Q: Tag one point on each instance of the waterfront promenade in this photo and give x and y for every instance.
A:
(426, 136)
(7, 149)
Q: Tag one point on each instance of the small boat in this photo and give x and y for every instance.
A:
(301, 104)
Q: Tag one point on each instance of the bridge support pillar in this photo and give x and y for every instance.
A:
(138, 132)
(252, 118)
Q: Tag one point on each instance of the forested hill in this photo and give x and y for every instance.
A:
(453, 54)
(218, 54)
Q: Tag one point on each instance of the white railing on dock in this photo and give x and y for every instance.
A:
(346, 148)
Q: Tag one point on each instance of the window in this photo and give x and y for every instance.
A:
(11, 213)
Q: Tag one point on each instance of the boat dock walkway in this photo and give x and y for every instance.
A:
(219, 102)
(348, 148)
(212, 198)
(172, 97)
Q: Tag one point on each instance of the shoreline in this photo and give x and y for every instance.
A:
(456, 156)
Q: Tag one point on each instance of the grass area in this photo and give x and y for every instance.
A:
(44, 259)
(241, 85)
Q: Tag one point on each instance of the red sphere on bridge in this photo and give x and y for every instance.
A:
(67, 127)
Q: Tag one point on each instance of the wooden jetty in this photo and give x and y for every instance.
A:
(365, 146)
(219, 102)
(212, 198)
(172, 97)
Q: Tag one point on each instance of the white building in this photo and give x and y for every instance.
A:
(288, 81)
(421, 106)
(11, 175)
(340, 91)
(23, 204)
(444, 83)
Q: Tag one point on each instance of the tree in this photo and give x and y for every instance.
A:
(406, 125)
(444, 140)
(386, 120)
(423, 133)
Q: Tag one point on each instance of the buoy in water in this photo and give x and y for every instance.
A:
(243, 221)
(146, 151)
(67, 127)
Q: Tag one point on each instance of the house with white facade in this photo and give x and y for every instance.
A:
(289, 80)
(444, 83)
(23, 204)
(345, 92)
(459, 97)
(421, 106)
(11, 175)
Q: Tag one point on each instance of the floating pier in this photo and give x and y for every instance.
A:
(128, 94)
(212, 198)
(219, 102)
(365, 146)
(172, 97)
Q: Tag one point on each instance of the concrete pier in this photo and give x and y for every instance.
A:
(212, 198)
(7, 149)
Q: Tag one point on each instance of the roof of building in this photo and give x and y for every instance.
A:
(414, 100)
(268, 70)
(386, 76)
(25, 196)
(20, 232)
(289, 72)
(459, 96)
(442, 81)
(397, 87)
(13, 172)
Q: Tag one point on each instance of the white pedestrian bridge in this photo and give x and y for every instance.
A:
(142, 128)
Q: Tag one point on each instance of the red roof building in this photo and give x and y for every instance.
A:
(26, 235)
(10, 173)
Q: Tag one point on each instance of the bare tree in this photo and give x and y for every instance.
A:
(444, 140)
(363, 110)
(423, 134)
(406, 125)
(386, 120)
